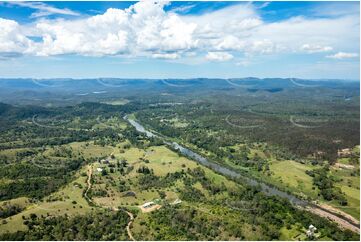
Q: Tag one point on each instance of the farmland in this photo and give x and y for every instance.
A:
(84, 162)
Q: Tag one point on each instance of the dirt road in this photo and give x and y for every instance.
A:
(131, 216)
(129, 224)
(342, 222)
(89, 173)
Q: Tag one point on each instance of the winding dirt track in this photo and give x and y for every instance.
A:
(131, 216)
(129, 224)
(89, 173)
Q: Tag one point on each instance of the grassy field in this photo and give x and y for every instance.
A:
(67, 200)
(177, 123)
(113, 122)
(161, 160)
(291, 174)
(350, 186)
(89, 150)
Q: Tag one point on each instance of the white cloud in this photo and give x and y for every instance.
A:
(264, 5)
(146, 30)
(265, 46)
(44, 9)
(230, 42)
(219, 56)
(343, 55)
(315, 48)
(166, 56)
(11, 37)
(183, 9)
(141, 30)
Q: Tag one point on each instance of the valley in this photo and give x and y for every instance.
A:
(157, 167)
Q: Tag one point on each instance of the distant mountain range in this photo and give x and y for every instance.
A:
(111, 83)
(68, 91)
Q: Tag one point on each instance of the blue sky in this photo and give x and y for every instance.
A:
(179, 39)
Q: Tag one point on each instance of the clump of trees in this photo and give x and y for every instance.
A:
(100, 225)
(35, 181)
(9, 209)
(325, 182)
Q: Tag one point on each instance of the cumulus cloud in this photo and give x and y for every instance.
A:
(11, 37)
(343, 55)
(140, 30)
(145, 29)
(219, 56)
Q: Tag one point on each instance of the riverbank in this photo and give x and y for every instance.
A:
(316, 209)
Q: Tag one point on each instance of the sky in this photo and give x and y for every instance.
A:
(163, 39)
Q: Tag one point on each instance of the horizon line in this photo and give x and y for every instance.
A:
(175, 78)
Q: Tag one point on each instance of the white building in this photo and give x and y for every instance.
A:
(311, 231)
(148, 204)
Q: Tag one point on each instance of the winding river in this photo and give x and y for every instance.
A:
(342, 220)
(217, 167)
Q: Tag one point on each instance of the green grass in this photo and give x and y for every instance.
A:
(291, 174)
(353, 200)
(350, 186)
(344, 161)
(91, 150)
(63, 205)
(177, 123)
(162, 161)
(256, 152)
(113, 122)
(294, 233)
(21, 201)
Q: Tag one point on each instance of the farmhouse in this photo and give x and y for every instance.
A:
(149, 207)
(311, 231)
(148, 204)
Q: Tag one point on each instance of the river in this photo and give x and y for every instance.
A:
(342, 220)
(217, 167)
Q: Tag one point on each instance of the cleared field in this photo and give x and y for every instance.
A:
(177, 123)
(292, 174)
(158, 158)
(90, 150)
(350, 186)
(353, 200)
(348, 180)
(113, 122)
(67, 200)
